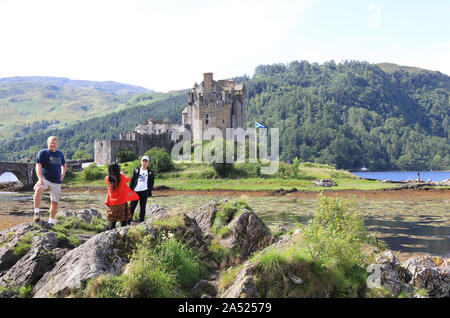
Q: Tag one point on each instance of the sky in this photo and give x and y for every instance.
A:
(168, 45)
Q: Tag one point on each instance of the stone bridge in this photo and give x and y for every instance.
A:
(25, 172)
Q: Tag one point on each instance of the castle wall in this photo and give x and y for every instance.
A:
(105, 149)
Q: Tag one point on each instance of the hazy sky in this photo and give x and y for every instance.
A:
(167, 45)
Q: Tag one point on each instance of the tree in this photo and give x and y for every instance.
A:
(125, 155)
(81, 154)
(159, 160)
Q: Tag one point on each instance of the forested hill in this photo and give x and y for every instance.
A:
(354, 113)
(349, 114)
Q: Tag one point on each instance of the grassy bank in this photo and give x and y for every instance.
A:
(201, 176)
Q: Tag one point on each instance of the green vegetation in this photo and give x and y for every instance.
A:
(353, 113)
(23, 246)
(125, 155)
(325, 259)
(160, 270)
(336, 234)
(225, 213)
(92, 172)
(159, 160)
(244, 176)
(75, 225)
(81, 154)
(19, 292)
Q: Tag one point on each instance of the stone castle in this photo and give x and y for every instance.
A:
(219, 104)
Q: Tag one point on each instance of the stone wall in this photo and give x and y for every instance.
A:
(105, 149)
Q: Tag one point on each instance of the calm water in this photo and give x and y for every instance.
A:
(411, 226)
(405, 175)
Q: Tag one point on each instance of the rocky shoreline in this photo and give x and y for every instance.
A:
(41, 259)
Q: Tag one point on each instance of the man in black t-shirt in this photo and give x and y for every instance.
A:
(48, 170)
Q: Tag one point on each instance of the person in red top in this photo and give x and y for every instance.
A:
(118, 195)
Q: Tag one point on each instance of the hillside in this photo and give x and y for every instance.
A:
(348, 114)
(355, 113)
(81, 135)
(31, 103)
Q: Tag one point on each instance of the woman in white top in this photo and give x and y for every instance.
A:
(141, 182)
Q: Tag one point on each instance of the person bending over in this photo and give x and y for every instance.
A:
(118, 195)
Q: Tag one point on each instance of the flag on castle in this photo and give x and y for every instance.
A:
(258, 125)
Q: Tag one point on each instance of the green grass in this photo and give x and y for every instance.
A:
(200, 176)
(24, 246)
(75, 225)
(20, 292)
(160, 270)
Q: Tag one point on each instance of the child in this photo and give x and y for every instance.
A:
(118, 195)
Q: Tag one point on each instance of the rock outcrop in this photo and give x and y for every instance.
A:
(35, 263)
(247, 234)
(205, 215)
(428, 273)
(324, 183)
(431, 274)
(105, 253)
(85, 214)
(9, 241)
(155, 212)
(387, 271)
(244, 284)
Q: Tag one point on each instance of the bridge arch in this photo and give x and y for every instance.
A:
(25, 172)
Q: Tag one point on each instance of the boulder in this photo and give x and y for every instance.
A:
(10, 239)
(204, 288)
(155, 212)
(64, 214)
(87, 214)
(104, 253)
(244, 285)
(205, 215)
(430, 273)
(247, 234)
(324, 183)
(388, 272)
(35, 263)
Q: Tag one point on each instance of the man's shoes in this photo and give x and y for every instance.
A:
(37, 217)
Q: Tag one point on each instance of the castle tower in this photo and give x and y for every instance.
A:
(217, 104)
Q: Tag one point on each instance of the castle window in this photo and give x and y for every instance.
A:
(207, 119)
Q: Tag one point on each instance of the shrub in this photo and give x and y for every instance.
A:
(159, 160)
(223, 170)
(336, 235)
(294, 167)
(93, 172)
(69, 174)
(125, 155)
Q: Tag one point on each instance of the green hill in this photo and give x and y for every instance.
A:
(355, 113)
(31, 103)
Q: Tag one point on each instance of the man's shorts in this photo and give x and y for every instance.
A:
(55, 189)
